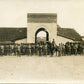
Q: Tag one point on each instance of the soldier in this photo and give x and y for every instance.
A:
(53, 47)
(15, 49)
(39, 49)
(32, 49)
(81, 49)
(43, 49)
(2, 47)
(46, 51)
(48, 48)
(76, 48)
(9, 49)
(36, 48)
(53, 43)
(21, 49)
(29, 49)
(26, 50)
(66, 48)
(63, 50)
(56, 50)
(5, 50)
(42, 52)
(12, 49)
(18, 51)
(60, 50)
(72, 49)
(69, 49)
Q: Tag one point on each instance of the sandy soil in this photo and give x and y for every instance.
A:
(41, 69)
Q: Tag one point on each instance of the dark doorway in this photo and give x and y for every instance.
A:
(40, 30)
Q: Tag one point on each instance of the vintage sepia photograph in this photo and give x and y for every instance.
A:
(42, 41)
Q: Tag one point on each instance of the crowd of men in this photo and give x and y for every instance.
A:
(42, 49)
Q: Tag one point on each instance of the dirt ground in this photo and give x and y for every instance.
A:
(41, 69)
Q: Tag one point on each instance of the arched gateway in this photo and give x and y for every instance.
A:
(41, 22)
(42, 29)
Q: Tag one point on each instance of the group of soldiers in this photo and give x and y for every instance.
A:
(42, 49)
(70, 49)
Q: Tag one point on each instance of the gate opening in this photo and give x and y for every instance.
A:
(41, 36)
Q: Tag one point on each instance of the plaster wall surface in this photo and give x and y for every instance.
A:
(51, 28)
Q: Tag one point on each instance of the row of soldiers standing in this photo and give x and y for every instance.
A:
(23, 49)
(70, 49)
(48, 48)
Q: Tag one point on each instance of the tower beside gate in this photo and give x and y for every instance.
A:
(45, 21)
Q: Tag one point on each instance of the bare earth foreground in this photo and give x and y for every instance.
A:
(41, 69)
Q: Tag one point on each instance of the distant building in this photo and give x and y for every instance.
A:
(19, 35)
(37, 22)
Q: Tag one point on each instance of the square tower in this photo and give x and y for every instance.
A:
(45, 21)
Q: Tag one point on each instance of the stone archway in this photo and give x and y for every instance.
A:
(42, 29)
(41, 21)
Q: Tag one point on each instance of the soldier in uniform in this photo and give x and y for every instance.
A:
(9, 49)
(56, 50)
(53, 47)
(76, 48)
(72, 48)
(39, 49)
(69, 49)
(5, 50)
(15, 49)
(63, 50)
(43, 49)
(32, 49)
(60, 50)
(26, 49)
(12, 49)
(2, 47)
(35, 48)
(18, 51)
(21, 49)
(66, 49)
(29, 49)
(81, 49)
(46, 50)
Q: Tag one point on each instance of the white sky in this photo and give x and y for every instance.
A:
(70, 13)
(41, 34)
